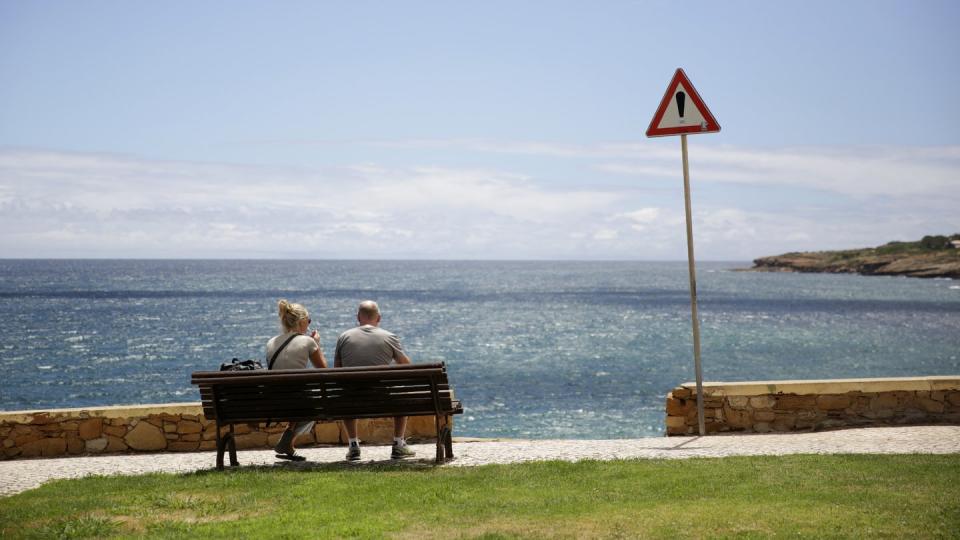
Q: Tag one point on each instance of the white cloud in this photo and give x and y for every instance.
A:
(856, 171)
(849, 171)
(95, 205)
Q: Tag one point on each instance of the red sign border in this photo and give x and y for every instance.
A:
(681, 77)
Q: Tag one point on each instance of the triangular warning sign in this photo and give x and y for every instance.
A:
(682, 111)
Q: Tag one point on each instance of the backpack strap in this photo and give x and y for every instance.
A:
(276, 354)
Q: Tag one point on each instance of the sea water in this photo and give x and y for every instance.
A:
(534, 349)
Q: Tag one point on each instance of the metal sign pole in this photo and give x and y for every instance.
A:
(693, 285)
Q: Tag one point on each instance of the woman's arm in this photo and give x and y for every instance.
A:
(316, 357)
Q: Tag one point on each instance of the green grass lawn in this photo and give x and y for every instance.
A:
(809, 496)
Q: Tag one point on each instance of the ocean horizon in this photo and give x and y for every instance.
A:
(534, 348)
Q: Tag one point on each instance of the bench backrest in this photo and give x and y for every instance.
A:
(312, 394)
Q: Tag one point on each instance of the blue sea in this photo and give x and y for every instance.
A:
(534, 349)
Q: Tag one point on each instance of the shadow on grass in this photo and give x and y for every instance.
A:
(421, 465)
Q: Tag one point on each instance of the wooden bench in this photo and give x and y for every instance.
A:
(237, 397)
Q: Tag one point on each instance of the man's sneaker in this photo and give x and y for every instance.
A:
(400, 452)
(353, 453)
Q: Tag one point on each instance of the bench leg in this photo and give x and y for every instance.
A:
(444, 441)
(226, 442)
(448, 440)
(221, 445)
(233, 449)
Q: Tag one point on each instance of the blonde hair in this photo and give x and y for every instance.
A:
(291, 314)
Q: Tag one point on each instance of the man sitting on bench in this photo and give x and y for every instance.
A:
(370, 345)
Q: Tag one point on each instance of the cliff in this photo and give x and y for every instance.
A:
(932, 257)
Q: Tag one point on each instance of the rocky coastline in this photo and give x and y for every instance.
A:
(923, 259)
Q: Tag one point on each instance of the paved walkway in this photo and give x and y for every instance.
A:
(24, 474)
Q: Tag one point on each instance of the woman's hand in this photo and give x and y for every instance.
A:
(316, 336)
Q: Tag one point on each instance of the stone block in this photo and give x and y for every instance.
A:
(70, 426)
(117, 422)
(146, 436)
(95, 446)
(115, 431)
(764, 416)
(54, 446)
(953, 398)
(115, 444)
(885, 401)
(938, 395)
(257, 439)
(784, 422)
(792, 402)
(51, 428)
(190, 437)
(169, 427)
(681, 392)
(273, 438)
(74, 445)
(831, 402)
(32, 448)
(738, 402)
(183, 446)
(188, 426)
(241, 429)
(207, 445)
(762, 402)
(40, 419)
(11, 452)
(678, 407)
(209, 435)
(714, 427)
(930, 405)
(329, 433)
(90, 429)
(761, 427)
(676, 421)
(8, 443)
(906, 400)
(23, 440)
(738, 419)
(677, 431)
(172, 436)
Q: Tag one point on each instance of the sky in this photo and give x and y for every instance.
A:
(471, 130)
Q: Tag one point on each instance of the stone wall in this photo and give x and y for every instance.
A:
(178, 427)
(765, 406)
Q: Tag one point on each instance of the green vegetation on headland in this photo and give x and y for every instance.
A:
(931, 257)
(809, 496)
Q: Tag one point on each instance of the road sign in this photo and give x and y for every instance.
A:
(682, 111)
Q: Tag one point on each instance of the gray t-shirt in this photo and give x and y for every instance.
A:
(296, 355)
(367, 345)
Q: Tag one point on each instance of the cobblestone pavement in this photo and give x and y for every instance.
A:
(24, 474)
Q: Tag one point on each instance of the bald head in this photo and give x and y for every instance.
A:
(368, 313)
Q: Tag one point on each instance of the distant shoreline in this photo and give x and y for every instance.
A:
(928, 258)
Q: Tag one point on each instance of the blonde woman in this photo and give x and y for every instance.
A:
(292, 350)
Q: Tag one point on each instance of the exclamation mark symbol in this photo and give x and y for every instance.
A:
(681, 98)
